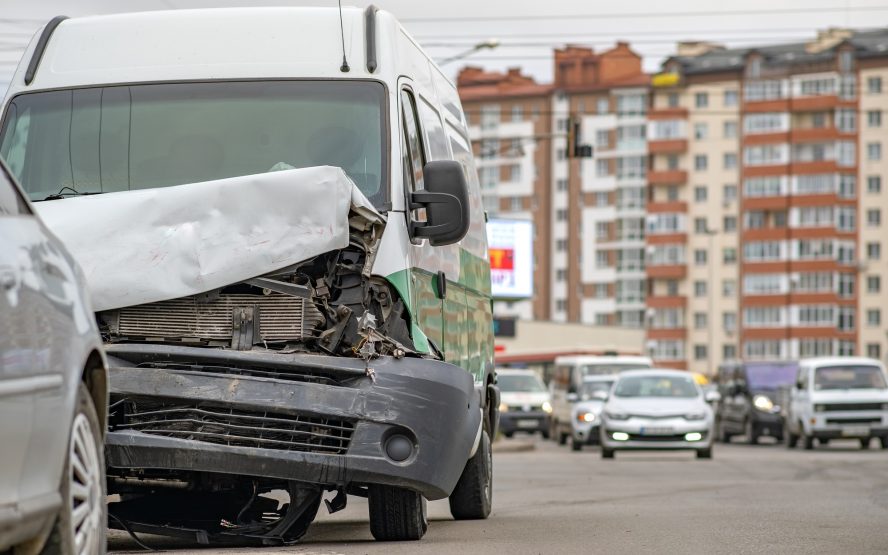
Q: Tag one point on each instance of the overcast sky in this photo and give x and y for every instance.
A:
(528, 31)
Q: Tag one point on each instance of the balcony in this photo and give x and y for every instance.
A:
(668, 238)
(667, 271)
(668, 146)
(667, 113)
(667, 177)
(667, 333)
(667, 301)
(675, 206)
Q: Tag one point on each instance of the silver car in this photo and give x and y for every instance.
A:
(53, 392)
(656, 409)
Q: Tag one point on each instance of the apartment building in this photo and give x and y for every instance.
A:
(588, 213)
(764, 236)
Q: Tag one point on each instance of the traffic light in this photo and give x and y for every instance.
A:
(574, 147)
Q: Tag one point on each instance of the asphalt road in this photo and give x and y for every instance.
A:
(748, 499)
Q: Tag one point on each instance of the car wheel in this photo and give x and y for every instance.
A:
(883, 442)
(575, 444)
(864, 443)
(751, 436)
(823, 441)
(472, 498)
(704, 453)
(607, 453)
(791, 439)
(80, 527)
(562, 438)
(723, 434)
(397, 514)
(545, 434)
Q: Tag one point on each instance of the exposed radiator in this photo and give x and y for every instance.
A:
(281, 317)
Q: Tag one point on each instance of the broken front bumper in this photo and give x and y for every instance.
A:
(309, 418)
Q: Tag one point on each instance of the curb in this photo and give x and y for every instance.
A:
(505, 446)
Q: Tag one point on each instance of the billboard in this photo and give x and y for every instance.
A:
(511, 258)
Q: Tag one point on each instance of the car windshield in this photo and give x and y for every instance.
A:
(600, 369)
(770, 376)
(520, 383)
(590, 388)
(656, 386)
(121, 138)
(849, 377)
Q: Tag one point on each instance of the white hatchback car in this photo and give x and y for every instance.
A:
(656, 409)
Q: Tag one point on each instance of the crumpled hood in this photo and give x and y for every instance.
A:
(150, 245)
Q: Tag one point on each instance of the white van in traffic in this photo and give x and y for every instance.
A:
(838, 397)
(280, 222)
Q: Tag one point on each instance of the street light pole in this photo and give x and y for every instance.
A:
(488, 44)
(710, 308)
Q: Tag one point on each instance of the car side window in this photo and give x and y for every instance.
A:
(11, 201)
(802, 378)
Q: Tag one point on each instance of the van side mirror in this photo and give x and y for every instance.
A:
(600, 395)
(572, 397)
(799, 385)
(446, 200)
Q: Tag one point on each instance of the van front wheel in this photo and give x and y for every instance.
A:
(472, 498)
(397, 514)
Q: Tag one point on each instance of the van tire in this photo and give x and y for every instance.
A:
(607, 453)
(704, 453)
(791, 439)
(562, 438)
(864, 443)
(397, 514)
(807, 441)
(883, 441)
(575, 444)
(84, 424)
(472, 498)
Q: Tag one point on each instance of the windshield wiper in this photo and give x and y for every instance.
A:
(72, 193)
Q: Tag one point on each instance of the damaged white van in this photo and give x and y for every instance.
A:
(279, 217)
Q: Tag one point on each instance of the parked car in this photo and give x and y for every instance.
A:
(53, 398)
(586, 411)
(656, 409)
(752, 398)
(281, 220)
(524, 403)
(838, 397)
(567, 379)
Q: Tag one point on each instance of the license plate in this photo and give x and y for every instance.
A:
(656, 431)
(855, 431)
(527, 423)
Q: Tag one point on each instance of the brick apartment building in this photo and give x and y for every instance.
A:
(733, 206)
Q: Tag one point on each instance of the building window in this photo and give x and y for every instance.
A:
(874, 350)
(672, 100)
(731, 97)
(699, 288)
(561, 215)
(729, 224)
(490, 116)
(561, 245)
(701, 130)
(517, 112)
(846, 120)
(846, 318)
(729, 288)
(672, 162)
(873, 317)
(672, 193)
(730, 160)
(729, 255)
(700, 352)
(701, 100)
(560, 305)
(700, 162)
(601, 291)
(602, 167)
(700, 257)
(516, 204)
(700, 193)
(873, 251)
(602, 138)
(729, 193)
(560, 274)
(672, 288)
(729, 321)
(602, 229)
(602, 106)
(818, 120)
(874, 184)
(874, 118)
(873, 217)
(561, 185)
(873, 284)
(729, 352)
(730, 129)
(601, 259)
(874, 151)
(601, 199)
(700, 320)
(874, 85)
(700, 225)
(767, 122)
(514, 173)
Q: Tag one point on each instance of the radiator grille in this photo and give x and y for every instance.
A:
(281, 317)
(837, 407)
(234, 427)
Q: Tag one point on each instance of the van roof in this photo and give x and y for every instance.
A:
(205, 44)
(835, 361)
(603, 359)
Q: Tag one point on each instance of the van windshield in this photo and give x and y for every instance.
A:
(121, 138)
(599, 369)
(520, 383)
(849, 377)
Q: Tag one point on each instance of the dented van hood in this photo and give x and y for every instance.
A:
(150, 245)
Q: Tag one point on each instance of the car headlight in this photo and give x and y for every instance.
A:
(617, 416)
(585, 417)
(695, 416)
(547, 407)
(762, 403)
(503, 407)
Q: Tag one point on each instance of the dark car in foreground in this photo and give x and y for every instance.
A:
(753, 395)
(53, 392)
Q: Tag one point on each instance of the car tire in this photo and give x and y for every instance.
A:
(807, 441)
(751, 436)
(509, 435)
(397, 514)
(545, 434)
(864, 443)
(562, 438)
(83, 514)
(704, 453)
(607, 453)
(575, 444)
(883, 442)
(791, 439)
(472, 498)
(723, 435)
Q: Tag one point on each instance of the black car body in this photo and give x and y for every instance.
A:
(752, 397)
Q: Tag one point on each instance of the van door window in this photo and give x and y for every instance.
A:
(414, 158)
(431, 123)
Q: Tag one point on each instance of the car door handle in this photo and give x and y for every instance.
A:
(8, 278)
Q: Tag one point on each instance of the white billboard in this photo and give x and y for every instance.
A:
(511, 258)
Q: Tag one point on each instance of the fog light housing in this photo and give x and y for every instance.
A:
(398, 447)
(620, 436)
(693, 436)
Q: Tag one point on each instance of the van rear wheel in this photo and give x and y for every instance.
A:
(397, 514)
(472, 498)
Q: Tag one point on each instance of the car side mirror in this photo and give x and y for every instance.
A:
(712, 396)
(446, 200)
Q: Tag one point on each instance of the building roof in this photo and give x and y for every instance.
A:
(476, 84)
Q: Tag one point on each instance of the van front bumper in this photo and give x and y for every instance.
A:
(309, 418)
